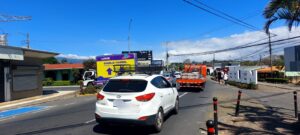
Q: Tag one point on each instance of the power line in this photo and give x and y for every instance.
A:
(236, 48)
(227, 15)
(223, 15)
(262, 51)
(218, 15)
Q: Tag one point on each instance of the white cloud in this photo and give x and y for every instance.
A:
(111, 41)
(211, 44)
(74, 56)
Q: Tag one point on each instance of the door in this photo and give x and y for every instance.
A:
(164, 93)
(170, 91)
(2, 98)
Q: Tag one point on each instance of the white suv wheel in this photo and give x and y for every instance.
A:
(159, 121)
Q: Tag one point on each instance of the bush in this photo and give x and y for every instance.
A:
(79, 82)
(61, 83)
(47, 82)
(277, 80)
(243, 85)
(90, 90)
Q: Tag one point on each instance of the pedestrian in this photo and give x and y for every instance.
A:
(219, 76)
(225, 78)
(222, 77)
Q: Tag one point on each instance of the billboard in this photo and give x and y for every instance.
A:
(141, 55)
(109, 65)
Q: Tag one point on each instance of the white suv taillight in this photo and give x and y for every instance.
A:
(100, 97)
(145, 98)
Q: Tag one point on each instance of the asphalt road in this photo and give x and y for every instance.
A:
(75, 116)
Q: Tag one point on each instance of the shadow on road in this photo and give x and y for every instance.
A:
(48, 92)
(122, 130)
(126, 129)
(191, 90)
(270, 120)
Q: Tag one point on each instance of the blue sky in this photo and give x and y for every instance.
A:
(96, 27)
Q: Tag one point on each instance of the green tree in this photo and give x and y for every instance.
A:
(279, 61)
(76, 74)
(64, 61)
(288, 10)
(51, 60)
(89, 64)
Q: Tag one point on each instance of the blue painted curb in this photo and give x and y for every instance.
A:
(20, 111)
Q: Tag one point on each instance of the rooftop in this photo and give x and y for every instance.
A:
(18, 53)
(268, 69)
(62, 66)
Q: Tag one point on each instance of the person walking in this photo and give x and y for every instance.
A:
(219, 76)
(225, 78)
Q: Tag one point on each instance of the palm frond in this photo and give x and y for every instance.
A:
(272, 8)
(268, 24)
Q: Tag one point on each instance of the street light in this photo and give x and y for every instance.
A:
(129, 28)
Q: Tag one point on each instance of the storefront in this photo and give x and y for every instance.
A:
(21, 72)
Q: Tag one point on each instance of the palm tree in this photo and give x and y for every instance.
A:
(288, 10)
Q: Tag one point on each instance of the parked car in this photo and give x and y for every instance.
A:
(170, 77)
(136, 99)
(177, 74)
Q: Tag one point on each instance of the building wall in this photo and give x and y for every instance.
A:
(29, 72)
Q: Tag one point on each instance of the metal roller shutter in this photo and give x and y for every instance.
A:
(25, 79)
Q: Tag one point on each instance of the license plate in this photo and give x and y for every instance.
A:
(119, 103)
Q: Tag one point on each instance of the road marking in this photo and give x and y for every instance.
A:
(21, 111)
(180, 96)
(70, 104)
(90, 121)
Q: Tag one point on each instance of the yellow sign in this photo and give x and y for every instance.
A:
(108, 65)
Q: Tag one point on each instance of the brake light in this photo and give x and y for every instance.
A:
(100, 97)
(143, 118)
(146, 97)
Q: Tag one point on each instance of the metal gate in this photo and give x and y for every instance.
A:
(2, 98)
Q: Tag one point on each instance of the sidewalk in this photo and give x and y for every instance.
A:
(283, 86)
(268, 110)
(37, 99)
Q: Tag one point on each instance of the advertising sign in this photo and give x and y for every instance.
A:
(141, 55)
(107, 65)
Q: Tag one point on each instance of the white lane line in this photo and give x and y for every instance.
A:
(90, 121)
(180, 96)
(70, 104)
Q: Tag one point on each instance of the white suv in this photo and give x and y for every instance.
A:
(136, 99)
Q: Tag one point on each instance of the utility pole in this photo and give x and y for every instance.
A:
(167, 56)
(259, 60)
(28, 40)
(270, 51)
(129, 28)
(213, 62)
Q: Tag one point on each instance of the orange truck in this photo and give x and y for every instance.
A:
(193, 76)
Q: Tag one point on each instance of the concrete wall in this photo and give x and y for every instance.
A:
(32, 65)
(242, 75)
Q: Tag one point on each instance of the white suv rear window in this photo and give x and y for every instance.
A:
(125, 85)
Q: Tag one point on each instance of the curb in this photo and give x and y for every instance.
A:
(71, 86)
(279, 87)
(38, 101)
